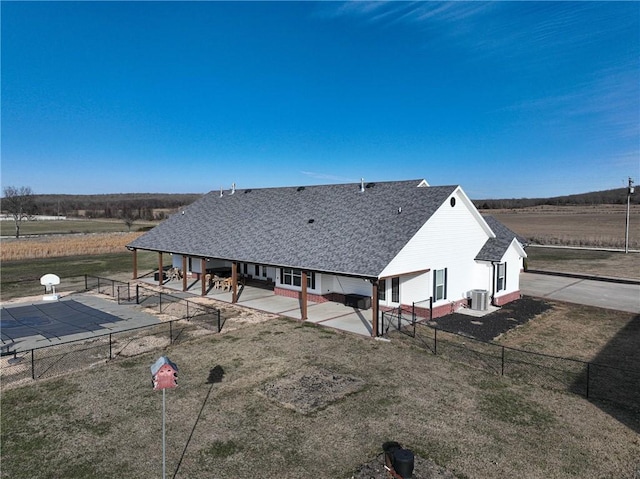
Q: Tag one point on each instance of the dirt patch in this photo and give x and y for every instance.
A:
(310, 390)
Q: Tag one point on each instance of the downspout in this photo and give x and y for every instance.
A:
(494, 274)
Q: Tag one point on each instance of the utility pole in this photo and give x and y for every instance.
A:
(630, 191)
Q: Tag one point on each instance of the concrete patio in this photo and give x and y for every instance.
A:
(333, 315)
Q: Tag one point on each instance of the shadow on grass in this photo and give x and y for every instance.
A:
(612, 380)
(215, 376)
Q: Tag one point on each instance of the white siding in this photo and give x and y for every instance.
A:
(344, 285)
(450, 239)
(513, 260)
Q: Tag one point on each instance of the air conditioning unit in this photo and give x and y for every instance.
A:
(479, 299)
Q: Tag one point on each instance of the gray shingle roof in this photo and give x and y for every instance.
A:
(495, 248)
(330, 228)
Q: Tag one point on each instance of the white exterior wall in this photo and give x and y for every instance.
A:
(450, 239)
(345, 285)
(514, 261)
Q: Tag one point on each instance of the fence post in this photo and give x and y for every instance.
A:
(219, 328)
(86, 283)
(160, 303)
(502, 372)
(399, 318)
(33, 366)
(110, 357)
(113, 291)
(435, 340)
(187, 309)
(128, 291)
(430, 308)
(170, 332)
(587, 395)
(137, 294)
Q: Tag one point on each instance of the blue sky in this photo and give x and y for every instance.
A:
(507, 99)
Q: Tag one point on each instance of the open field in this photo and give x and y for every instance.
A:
(598, 226)
(582, 261)
(22, 278)
(235, 413)
(70, 226)
(68, 245)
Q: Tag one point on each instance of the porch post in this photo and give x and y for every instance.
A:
(203, 275)
(160, 269)
(375, 308)
(184, 273)
(303, 299)
(135, 263)
(234, 282)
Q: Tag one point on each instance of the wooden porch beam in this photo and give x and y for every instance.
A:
(203, 276)
(234, 282)
(303, 297)
(375, 308)
(184, 273)
(135, 263)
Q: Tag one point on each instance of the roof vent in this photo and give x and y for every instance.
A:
(300, 188)
(311, 220)
(370, 185)
(399, 209)
(221, 193)
(233, 188)
(361, 185)
(247, 191)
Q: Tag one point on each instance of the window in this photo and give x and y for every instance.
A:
(264, 271)
(294, 277)
(244, 269)
(257, 270)
(501, 276)
(440, 284)
(382, 290)
(395, 290)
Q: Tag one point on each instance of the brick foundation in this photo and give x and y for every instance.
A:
(506, 298)
(315, 298)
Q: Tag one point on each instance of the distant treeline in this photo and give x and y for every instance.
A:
(606, 197)
(157, 206)
(146, 206)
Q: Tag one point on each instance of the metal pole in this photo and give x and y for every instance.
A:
(164, 464)
(626, 225)
(502, 374)
(110, 356)
(33, 366)
(587, 393)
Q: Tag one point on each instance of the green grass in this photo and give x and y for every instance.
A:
(7, 228)
(21, 278)
(565, 254)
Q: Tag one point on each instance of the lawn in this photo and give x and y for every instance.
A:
(265, 401)
(22, 278)
(7, 228)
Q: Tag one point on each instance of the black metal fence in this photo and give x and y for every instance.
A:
(62, 358)
(185, 319)
(591, 380)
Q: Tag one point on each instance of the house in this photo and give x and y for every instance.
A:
(380, 245)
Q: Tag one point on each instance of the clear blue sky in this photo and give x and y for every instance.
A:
(507, 99)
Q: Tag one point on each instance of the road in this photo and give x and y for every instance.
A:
(602, 294)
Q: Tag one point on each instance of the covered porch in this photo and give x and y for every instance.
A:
(332, 314)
